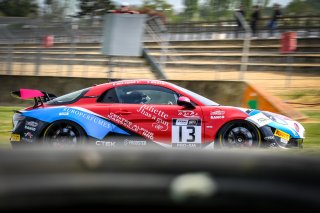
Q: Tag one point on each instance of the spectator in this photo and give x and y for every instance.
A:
(272, 25)
(239, 27)
(124, 9)
(255, 16)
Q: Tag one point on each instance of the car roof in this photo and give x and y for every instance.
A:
(98, 89)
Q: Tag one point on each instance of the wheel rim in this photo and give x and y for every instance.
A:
(62, 135)
(239, 136)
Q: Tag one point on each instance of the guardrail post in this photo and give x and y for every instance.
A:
(38, 59)
(9, 58)
(246, 46)
(289, 60)
(111, 64)
(9, 51)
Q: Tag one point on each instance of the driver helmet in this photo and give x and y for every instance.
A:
(137, 97)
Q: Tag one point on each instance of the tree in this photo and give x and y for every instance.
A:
(159, 7)
(18, 8)
(307, 7)
(54, 10)
(192, 9)
(93, 8)
(219, 9)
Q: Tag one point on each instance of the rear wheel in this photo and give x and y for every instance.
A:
(238, 134)
(62, 134)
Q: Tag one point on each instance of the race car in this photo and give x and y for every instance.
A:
(132, 113)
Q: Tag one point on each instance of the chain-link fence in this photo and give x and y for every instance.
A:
(198, 50)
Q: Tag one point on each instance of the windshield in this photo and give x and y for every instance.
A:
(68, 98)
(203, 100)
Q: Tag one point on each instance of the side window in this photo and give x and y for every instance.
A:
(110, 96)
(146, 94)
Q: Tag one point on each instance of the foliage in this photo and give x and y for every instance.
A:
(18, 8)
(57, 10)
(161, 5)
(6, 114)
(93, 8)
(158, 7)
(307, 7)
(192, 9)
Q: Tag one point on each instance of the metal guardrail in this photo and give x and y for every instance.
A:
(30, 31)
(74, 37)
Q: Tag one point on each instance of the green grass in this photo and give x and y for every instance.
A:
(6, 124)
(302, 96)
(311, 143)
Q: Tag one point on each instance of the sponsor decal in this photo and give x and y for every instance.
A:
(30, 128)
(192, 122)
(296, 127)
(217, 112)
(15, 137)
(282, 134)
(187, 113)
(129, 125)
(32, 123)
(87, 116)
(125, 82)
(217, 117)
(259, 119)
(106, 143)
(28, 135)
(269, 138)
(64, 113)
(149, 111)
(283, 140)
(181, 122)
(157, 115)
(186, 145)
(262, 120)
(156, 82)
(135, 143)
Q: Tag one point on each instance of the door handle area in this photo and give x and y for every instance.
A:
(123, 113)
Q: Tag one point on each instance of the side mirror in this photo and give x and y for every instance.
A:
(185, 102)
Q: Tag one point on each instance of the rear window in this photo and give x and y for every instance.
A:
(68, 98)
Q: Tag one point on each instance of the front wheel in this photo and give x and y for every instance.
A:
(238, 134)
(62, 134)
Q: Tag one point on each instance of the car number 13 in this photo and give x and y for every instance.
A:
(186, 131)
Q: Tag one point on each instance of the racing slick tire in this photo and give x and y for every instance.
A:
(64, 133)
(238, 134)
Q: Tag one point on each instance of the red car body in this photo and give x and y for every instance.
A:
(169, 116)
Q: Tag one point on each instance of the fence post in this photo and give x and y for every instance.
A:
(9, 51)
(246, 46)
(111, 65)
(9, 58)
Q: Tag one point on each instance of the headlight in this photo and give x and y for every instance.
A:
(16, 118)
(275, 118)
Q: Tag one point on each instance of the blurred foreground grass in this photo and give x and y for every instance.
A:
(311, 143)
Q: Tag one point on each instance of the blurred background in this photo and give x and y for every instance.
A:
(273, 47)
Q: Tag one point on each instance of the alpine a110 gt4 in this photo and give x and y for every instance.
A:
(133, 113)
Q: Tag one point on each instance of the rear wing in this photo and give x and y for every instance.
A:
(39, 96)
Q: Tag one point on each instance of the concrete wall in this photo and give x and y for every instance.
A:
(223, 92)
